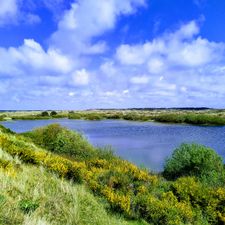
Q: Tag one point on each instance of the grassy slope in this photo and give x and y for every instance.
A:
(59, 201)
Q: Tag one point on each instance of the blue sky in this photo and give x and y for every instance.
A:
(71, 54)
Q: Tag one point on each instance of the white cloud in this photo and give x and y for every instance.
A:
(183, 89)
(139, 54)
(15, 12)
(8, 11)
(179, 48)
(33, 58)
(108, 68)
(156, 65)
(71, 94)
(140, 79)
(126, 91)
(186, 31)
(87, 19)
(80, 77)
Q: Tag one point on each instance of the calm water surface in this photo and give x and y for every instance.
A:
(144, 143)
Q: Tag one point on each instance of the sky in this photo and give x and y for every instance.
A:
(86, 54)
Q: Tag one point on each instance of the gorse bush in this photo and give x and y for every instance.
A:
(195, 160)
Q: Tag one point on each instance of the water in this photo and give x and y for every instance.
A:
(144, 143)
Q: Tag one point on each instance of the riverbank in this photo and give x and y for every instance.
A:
(195, 117)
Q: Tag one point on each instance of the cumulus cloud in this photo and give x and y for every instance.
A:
(180, 48)
(32, 57)
(77, 29)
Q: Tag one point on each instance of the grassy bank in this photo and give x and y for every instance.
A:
(189, 191)
(31, 195)
(195, 117)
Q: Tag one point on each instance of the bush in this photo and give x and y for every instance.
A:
(53, 113)
(195, 160)
(63, 141)
(75, 116)
(45, 113)
(93, 116)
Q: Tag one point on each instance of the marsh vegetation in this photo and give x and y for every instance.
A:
(195, 117)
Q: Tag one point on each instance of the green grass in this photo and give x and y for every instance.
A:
(31, 195)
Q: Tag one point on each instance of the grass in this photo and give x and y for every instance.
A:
(31, 195)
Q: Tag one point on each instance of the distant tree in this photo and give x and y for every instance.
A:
(45, 113)
(53, 113)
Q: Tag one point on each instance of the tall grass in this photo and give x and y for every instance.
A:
(29, 195)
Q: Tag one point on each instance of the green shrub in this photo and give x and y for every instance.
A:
(75, 116)
(45, 113)
(63, 141)
(2, 116)
(53, 113)
(170, 118)
(93, 116)
(195, 160)
(164, 210)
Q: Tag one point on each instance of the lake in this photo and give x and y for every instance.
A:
(144, 143)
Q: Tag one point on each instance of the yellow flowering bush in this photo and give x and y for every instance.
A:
(119, 202)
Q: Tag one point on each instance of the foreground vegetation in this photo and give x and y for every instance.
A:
(31, 195)
(196, 117)
(90, 182)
